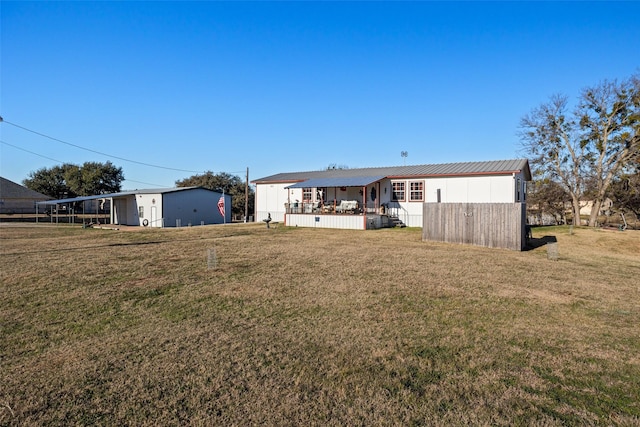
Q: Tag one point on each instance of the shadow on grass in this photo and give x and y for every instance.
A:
(535, 243)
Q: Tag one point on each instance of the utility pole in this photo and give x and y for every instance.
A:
(246, 196)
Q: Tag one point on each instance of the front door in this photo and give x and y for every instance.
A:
(154, 216)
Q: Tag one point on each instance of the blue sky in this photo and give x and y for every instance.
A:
(291, 86)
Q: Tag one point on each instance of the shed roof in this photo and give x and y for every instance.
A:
(495, 167)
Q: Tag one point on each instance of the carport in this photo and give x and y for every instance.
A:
(68, 207)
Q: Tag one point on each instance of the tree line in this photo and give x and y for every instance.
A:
(69, 180)
(590, 151)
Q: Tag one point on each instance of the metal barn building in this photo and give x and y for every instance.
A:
(171, 207)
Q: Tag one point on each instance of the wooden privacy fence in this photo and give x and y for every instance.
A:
(495, 225)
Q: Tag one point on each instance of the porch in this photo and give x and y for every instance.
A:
(355, 221)
(357, 203)
(339, 207)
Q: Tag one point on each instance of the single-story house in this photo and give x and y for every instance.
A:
(587, 206)
(366, 198)
(170, 207)
(18, 199)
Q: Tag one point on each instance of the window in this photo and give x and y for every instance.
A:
(141, 211)
(518, 189)
(398, 191)
(416, 192)
(307, 194)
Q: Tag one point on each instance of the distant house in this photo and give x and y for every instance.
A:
(605, 208)
(17, 199)
(170, 207)
(538, 216)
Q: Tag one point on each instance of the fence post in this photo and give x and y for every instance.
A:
(552, 251)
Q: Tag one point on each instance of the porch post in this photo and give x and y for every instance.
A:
(287, 209)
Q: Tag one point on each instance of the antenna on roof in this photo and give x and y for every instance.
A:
(404, 155)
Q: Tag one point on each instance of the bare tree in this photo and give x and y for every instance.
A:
(625, 191)
(550, 137)
(546, 197)
(609, 120)
(591, 145)
(336, 166)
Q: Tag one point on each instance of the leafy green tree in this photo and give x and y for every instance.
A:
(69, 180)
(48, 181)
(94, 178)
(590, 145)
(230, 184)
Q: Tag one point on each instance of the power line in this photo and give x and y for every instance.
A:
(30, 152)
(61, 162)
(94, 151)
(145, 183)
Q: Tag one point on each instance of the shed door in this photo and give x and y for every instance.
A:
(154, 216)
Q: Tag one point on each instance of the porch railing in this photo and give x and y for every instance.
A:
(317, 208)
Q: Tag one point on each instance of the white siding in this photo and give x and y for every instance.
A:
(270, 199)
(132, 211)
(476, 189)
(348, 222)
(146, 201)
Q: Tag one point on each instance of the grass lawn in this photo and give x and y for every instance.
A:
(299, 326)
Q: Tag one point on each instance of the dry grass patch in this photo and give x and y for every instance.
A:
(316, 327)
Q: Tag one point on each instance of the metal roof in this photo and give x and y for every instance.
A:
(353, 181)
(11, 190)
(73, 200)
(495, 167)
(116, 195)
